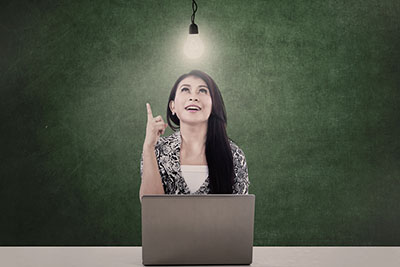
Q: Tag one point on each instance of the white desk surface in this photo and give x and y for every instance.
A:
(262, 256)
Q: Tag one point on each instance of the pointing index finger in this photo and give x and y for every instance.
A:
(149, 113)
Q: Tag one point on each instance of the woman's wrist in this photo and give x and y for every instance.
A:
(148, 147)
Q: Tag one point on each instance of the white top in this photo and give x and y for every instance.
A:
(194, 176)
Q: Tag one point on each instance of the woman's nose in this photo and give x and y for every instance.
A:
(193, 99)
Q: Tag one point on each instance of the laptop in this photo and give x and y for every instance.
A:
(197, 229)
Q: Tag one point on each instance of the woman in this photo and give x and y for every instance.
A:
(198, 158)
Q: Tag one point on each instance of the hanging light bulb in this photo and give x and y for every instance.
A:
(193, 47)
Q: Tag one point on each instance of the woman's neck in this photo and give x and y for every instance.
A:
(193, 137)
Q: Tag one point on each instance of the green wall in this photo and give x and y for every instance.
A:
(311, 88)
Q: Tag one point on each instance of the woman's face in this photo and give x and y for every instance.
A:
(192, 102)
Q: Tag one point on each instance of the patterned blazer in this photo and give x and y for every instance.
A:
(167, 152)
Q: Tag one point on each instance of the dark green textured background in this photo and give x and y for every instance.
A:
(311, 90)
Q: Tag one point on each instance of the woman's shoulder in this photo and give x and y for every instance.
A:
(236, 150)
(239, 163)
(172, 138)
(171, 141)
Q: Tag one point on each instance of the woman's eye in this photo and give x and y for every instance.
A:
(184, 88)
(203, 90)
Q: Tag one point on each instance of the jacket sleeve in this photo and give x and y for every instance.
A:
(241, 181)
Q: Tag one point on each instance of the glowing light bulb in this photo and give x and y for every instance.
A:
(193, 47)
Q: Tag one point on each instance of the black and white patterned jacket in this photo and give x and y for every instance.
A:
(167, 152)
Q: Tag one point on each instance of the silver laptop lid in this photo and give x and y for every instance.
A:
(197, 229)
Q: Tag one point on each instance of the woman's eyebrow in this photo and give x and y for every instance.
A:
(198, 86)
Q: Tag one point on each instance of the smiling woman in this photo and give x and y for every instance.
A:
(198, 158)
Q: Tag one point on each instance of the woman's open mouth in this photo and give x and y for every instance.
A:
(193, 108)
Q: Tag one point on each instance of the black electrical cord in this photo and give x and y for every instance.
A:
(194, 8)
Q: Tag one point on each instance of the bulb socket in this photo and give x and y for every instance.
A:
(193, 29)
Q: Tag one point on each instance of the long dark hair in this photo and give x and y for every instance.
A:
(218, 149)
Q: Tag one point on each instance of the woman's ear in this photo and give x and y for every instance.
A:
(172, 106)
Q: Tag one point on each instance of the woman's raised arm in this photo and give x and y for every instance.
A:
(151, 178)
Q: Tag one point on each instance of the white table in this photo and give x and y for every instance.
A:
(262, 256)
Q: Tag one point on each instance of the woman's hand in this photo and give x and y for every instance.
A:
(155, 127)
